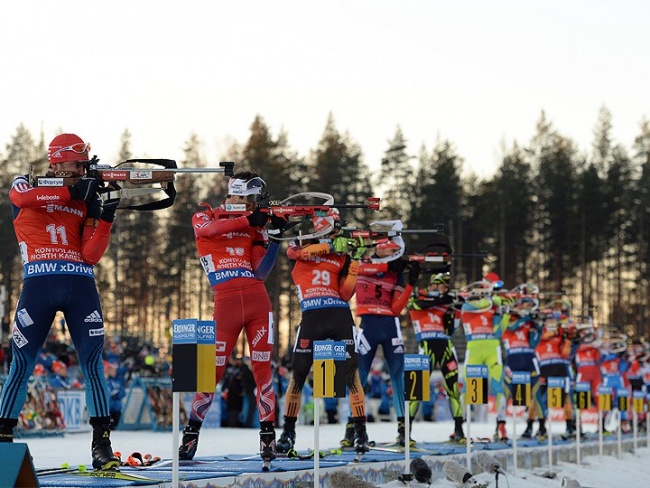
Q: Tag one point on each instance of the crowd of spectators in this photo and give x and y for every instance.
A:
(131, 357)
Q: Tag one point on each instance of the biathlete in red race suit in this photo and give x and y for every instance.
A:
(554, 352)
(325, 278)
(237, 258)
(62, 233)
(588, 358)
(381, 296)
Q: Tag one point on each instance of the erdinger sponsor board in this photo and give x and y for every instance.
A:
(329, 369)
(476, 371)
(416, 362)
(194, 355)
(184, 331)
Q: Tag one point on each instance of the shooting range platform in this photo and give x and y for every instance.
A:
(378, 466)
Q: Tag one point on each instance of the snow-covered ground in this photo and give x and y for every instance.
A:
(630, 471)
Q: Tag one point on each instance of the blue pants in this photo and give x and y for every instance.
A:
(40, 299)
(383, 330)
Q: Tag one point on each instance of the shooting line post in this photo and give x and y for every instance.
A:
(193, 369)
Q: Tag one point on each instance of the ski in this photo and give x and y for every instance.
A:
(117, 475)
(293, 454)
(401, 450)
(48, 471)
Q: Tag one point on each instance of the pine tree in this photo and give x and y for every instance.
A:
(641, 212)
(515, 212)
(556, 240)
(396, 179)
(437, 191)
(339, 171)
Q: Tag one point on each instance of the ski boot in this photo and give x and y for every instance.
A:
(528, 433)
(348, 439)
(541, 434)
(190, 441)
(102, 452)
(360, 438)
(458, 435)
(401, 433)
(570, 429)
(288, 437)
(501, 434)
(7, 429)
(267, 441)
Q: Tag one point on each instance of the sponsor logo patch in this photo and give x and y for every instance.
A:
(262, 356)
(95, 316)
(258, 336)
(19, 339)
(23, 318)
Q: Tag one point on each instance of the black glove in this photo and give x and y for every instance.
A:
(414, 273)
(277, 226)
(85, 189)
(110, 205)
(397, 265)
(257, 218)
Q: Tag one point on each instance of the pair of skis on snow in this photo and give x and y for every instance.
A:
(94, 473)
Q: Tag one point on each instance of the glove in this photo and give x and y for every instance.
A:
(358, 253)
(340, 245)
(85, 189)
(277, 226)
(397, 265)
(414, 273)
(110, 205)
(257, 218)
(412, 304)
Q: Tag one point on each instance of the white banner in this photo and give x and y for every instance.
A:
(72, 404)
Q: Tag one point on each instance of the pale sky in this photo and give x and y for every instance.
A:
(475, 72)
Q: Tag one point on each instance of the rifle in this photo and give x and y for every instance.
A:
(138, 179)
(383, 231)
(296, 214)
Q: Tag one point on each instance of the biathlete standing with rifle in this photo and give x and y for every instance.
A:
(433, 314)
(325, 278)
(381, 297)
(62, 233)
(237, 258)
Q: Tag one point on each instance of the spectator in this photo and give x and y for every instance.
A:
(117, 390)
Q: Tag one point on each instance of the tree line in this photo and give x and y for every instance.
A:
(572, 221)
